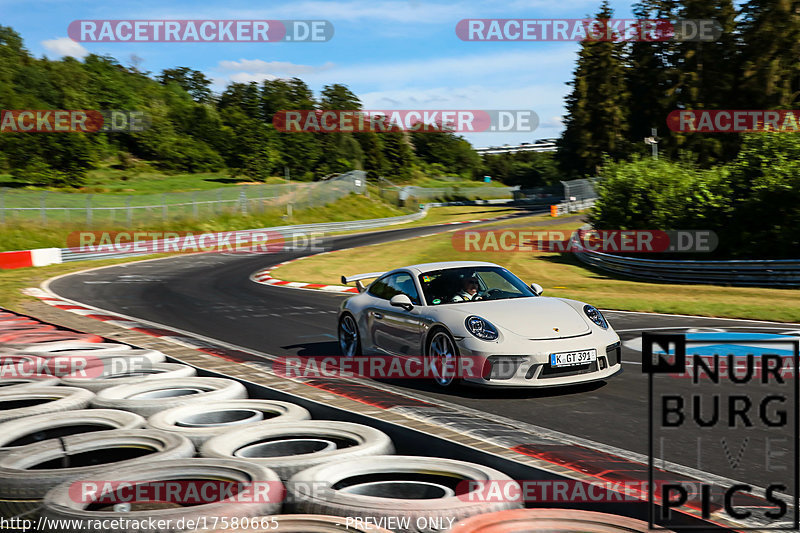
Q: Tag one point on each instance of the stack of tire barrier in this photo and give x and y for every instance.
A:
(86, 423)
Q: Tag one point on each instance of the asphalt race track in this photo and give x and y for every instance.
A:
(212, 295)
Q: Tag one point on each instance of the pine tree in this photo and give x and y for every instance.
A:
(597, 117)
(704, 77)
(770, 49)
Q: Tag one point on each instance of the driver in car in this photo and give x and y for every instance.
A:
(469, 289)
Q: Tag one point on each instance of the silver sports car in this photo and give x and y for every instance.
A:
(476, 311)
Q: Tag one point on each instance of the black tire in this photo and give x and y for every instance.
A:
(294, 446)
(38, 428)
(298, 523)
(162, 394)
(204, 421)
(111, 379)
(357, 495)
(349, 336)
(59, 504)
(29, 401)
(24, 482)
(435, 358)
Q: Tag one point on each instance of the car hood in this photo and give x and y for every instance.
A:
(536, 318)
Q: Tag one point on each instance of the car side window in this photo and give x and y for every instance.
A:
(393, 285)
(381, 289)
(403, 283)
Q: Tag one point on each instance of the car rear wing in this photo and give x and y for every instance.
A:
(358, 277)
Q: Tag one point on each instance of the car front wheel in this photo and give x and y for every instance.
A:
(442, 358)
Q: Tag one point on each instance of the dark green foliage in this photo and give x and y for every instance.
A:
(190, 129)
(597, 116)
(526, 169)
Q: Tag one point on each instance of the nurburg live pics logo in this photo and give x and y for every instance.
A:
(743, 422)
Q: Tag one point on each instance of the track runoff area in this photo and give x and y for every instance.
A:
(704, 411)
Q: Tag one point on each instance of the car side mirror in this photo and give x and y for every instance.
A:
(402, 300)
(537, 289)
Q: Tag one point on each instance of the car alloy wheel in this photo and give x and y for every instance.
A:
(348, 336)
(442, 358)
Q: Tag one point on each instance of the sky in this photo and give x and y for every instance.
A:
(394, 54)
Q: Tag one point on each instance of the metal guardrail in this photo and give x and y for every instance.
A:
(73, 254)
(748, 273)
(567, 207)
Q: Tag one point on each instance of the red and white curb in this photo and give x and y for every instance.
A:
(264, 276)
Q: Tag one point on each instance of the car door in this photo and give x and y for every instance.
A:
(393, 329)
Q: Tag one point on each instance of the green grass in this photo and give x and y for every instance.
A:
(433, 182)
(24, 236)
(561, 275)
(143, 181)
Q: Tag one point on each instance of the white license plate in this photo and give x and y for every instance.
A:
(573, 358)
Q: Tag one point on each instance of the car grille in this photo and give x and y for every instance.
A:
(613, 354)
(503, 366)
(560, 372)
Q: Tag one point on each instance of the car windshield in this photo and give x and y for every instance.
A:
(469, 284)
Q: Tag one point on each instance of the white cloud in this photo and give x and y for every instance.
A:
(247, 77)
(459, 70)
(260, 66)
(64, 46)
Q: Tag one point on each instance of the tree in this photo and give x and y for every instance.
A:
(704, 76)
(192, 81)
(597, 117)
(341, 151)
(770, 36)
(398, 155)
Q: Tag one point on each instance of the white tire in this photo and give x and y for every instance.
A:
(29, 401)
(416, 494)
(148, 397)
(298, 523)
(60, 505)
(26, 474)
(294, 446)
(204, 421)
(69, 346)
(38, 428)
(17, 384)
(127, 375)
(548, 520)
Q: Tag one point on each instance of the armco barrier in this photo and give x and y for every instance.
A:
(73, 254)
(761, 273)
(48, 256)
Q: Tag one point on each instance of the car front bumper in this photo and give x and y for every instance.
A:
(531, 368)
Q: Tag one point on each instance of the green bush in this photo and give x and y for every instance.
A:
(665, 195)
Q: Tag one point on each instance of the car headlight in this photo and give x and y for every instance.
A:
(481, 328)
(595, 316)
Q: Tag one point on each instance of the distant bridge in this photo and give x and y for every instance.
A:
(543, 145)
